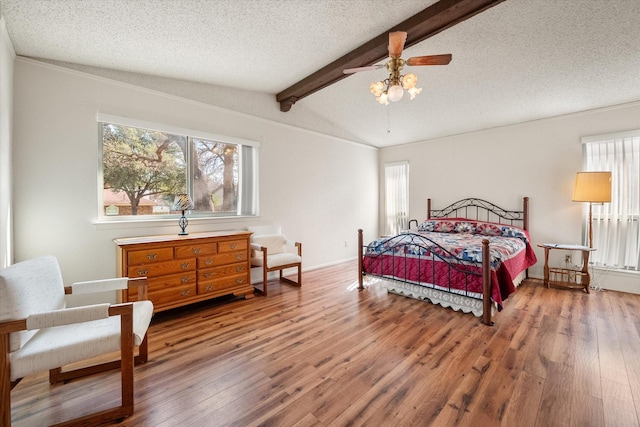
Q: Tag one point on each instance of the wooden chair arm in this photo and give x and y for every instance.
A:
(10, 326)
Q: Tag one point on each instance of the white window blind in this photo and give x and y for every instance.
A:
(616, 229)
(396, 190)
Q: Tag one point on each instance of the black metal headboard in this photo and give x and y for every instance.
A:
(481, 210)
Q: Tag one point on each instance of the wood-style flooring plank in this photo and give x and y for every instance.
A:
(327, 354)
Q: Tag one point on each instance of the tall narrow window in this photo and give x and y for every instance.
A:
(144, 165)
(396, 193)
(616, 230)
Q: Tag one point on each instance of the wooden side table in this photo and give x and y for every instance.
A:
(567, 277)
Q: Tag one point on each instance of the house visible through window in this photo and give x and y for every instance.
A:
(145, 165)
(396, 193)
(616, 229)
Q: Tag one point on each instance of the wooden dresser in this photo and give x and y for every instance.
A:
(185, 269)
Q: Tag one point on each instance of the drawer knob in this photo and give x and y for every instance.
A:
(208, 288)
(143, 272)
(186, 292)
(184, 265)
(185, 279)
(152, 256)
(208, 274)
(239, 256)
(208, 261)
(240, 268)
(196, 250)
(233, 245)
(239, 281)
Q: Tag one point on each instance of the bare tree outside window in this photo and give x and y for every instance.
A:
(215, 176)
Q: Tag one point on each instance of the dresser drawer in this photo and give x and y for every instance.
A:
(173, 295)
(162, 268)
(206, 261)
(183, 285)
(221, 259)
(225, 270)
(232, 245)
(177, 281)
(224, 283)
(149, 256)
(195, 250)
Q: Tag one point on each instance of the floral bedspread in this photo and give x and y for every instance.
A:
(453, 247)
(427, 256)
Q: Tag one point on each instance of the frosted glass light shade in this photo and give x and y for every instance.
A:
(594, 187)
(395, 93)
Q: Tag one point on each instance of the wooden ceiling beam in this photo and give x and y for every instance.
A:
(427, 23)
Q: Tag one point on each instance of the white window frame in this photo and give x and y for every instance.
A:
(252, 199)
(396, 196)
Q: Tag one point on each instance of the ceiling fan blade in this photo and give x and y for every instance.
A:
(396, 43)
(358, 69)
(430, 60)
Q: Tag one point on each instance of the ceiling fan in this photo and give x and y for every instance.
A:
(390, 89)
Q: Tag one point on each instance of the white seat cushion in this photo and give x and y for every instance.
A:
(61, 345)
(277, 260)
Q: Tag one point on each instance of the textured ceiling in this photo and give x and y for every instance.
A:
(518, 61)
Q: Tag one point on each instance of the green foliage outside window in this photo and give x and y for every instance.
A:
(144, 169)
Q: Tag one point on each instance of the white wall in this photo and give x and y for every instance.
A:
(537, 159)
(7, 59)
(320, 189)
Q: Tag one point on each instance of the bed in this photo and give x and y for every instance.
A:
(469, 256)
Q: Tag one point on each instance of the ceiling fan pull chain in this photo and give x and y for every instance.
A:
(388, 120)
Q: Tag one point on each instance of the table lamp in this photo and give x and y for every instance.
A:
(182, 203)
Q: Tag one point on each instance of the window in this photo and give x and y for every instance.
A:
(616, 230)
(396, 191)
(144, 166)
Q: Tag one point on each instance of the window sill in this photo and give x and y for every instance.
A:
(116, 224)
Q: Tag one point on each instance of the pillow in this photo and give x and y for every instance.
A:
(448, 226)
(428, 225)
(489, 229)
(275, 244)
(465, 227)
(509, 231)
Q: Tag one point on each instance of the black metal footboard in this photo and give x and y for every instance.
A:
(402, 257)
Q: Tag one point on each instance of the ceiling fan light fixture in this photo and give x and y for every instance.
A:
(376, 88)
(395, 93)
(409, 81)
(392, 88)
(383, 98)
(414, 91)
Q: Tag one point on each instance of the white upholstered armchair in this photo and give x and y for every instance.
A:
(38, 333)
(271, 251)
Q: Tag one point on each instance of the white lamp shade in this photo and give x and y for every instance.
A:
(594, 187)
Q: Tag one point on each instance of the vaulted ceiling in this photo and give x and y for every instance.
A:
(517, 61)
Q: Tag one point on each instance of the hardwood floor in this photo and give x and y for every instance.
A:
(329, 355)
